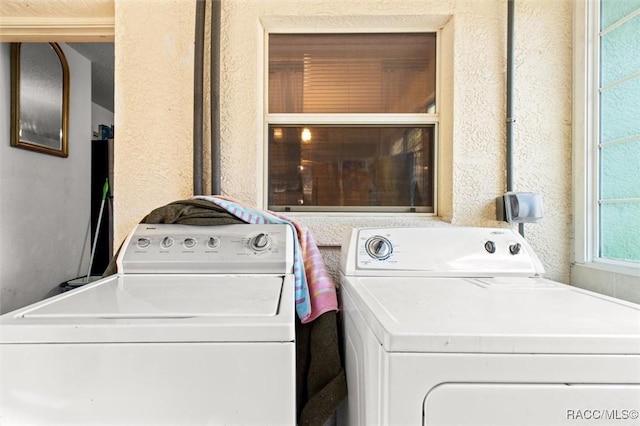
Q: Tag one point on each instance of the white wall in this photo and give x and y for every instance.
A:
(99, 116)
(44, 212)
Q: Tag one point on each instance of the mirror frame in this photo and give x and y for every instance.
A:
(63, 150)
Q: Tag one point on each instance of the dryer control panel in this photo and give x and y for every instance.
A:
(188, 249)
(446, 251)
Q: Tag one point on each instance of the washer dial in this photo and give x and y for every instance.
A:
(260, 242)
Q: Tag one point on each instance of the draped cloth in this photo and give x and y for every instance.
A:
(315, 292)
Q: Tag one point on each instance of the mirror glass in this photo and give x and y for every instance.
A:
(40, 92)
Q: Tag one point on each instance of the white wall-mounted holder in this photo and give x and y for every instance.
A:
(519, 207)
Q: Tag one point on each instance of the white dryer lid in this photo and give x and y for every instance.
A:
(161, 308)
(493, 315)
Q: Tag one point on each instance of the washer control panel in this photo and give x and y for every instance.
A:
(446, 251)
(241, 249)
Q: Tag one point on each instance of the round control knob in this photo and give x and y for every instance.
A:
(190, 242)
(515, 248)
(490, 246)
(213, 242)
(166, 242)
(379, 247)
(143, 242)
(260, 242)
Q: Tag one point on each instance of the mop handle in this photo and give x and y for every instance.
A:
(105, 189)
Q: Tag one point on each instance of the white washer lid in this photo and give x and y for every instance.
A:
(493, 315)
(168, 296)
(161, 308)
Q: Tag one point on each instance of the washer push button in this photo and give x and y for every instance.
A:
(143, 242)
(190, 242)
(166, 242)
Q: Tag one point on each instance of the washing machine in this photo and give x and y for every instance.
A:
(457, 326)
(197, 328)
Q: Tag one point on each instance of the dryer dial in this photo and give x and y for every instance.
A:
(378, 247)
(490, 247)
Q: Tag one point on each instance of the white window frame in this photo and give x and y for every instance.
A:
(383, 119)
(585, 143)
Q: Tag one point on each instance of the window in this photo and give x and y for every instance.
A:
(352, 122)
(610, 221)
(619, 131)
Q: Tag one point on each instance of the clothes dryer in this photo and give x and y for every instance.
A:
(196, 328)
(457, 326)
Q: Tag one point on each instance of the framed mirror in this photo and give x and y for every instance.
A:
(39, 98)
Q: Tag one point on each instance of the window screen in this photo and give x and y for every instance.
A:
(349, 167)
(352, 122)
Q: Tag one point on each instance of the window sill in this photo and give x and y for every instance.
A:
(330, 229)
(622, 282)
(612, 268)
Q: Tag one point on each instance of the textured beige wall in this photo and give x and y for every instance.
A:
(542, 109)
(153, 107)
(542, 105)
(479, 65)
(472, 155)
(56, 8)
(154, 103)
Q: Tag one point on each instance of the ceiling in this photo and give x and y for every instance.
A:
(101, 57)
